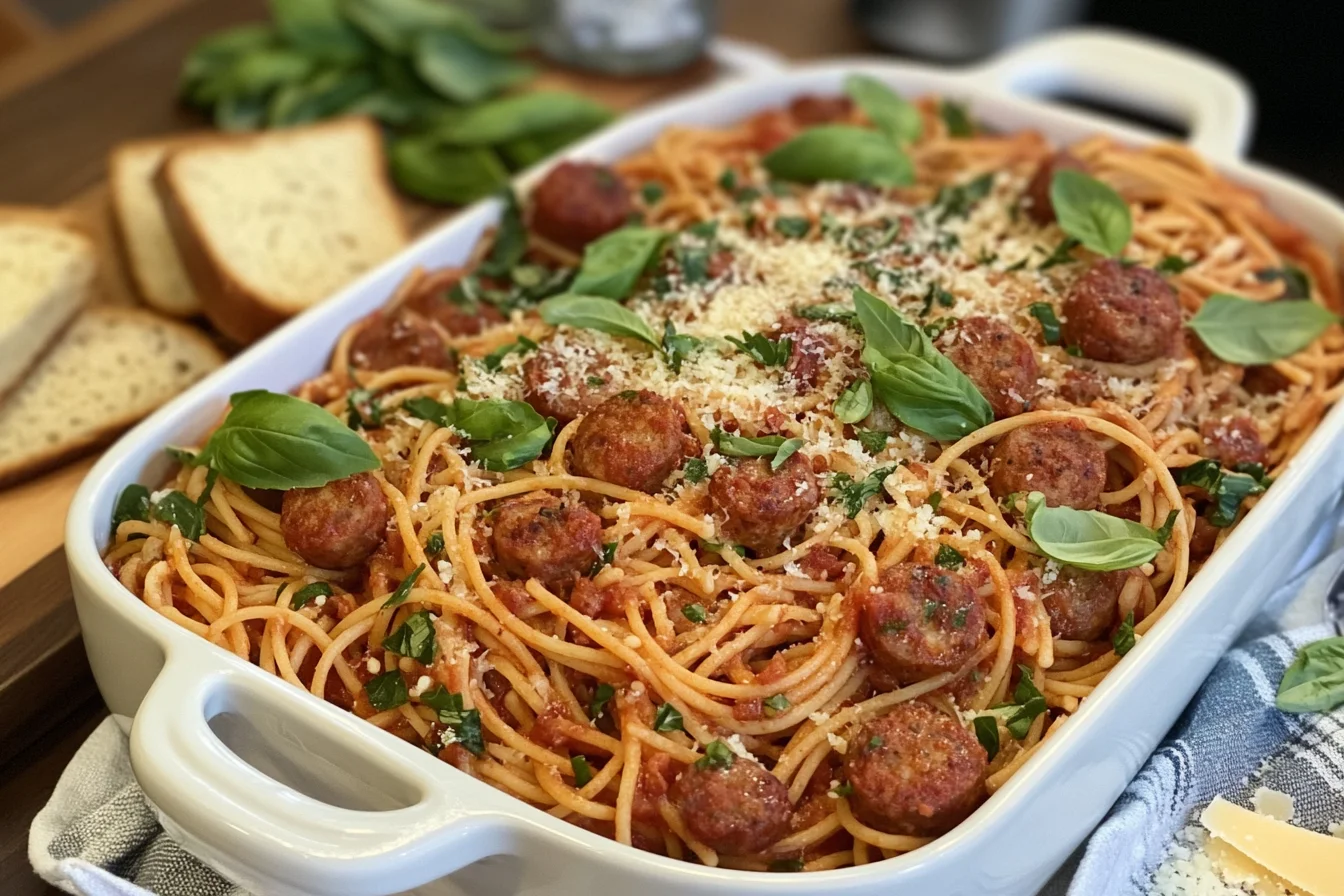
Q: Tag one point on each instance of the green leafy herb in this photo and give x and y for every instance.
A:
(1029, 701)
(1089, 539)
(652, 192)
(1123, 639)
(309, 593)
(132, 504)
(919, 385)
(521, 115)
(429, 168)
(387, 691)
(602, 695)
(1296, 283)
(363, 411)
(1315, 680)
(1163, 532)
(843, 789)
(1061, 254)
(398, 597)
(509, 246)
(785, 865)
(889, 112)
(607, 557)
(414, 638)
(176, 509)
(1171, 264)
(695, 613)
(777, 448)
(596, 313)
(777, 704)
(721, 546)
(855, 402)
(987, 732)
(612, 264)
(695, 469)
(935, 500)
(792, 227)
(957, 200)
(873, 440)
(728, 180)
(1242, 331)
(828, 311)
(957, 119)
(183, 456)
(465, 724)
(854, 495)
(841, 152)
(275, 441)
(503, 435)
(434, 544)
(767, 352)
(1044, 312)
(717, 755)
(677, 347)
(459, 70)
(667, 719)
(949, 557)
(495, 359)
(1227, 490)
(583, 773)
(936, 293)
(1091, 212)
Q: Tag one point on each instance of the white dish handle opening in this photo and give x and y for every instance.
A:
(1132, 72)
(220, 807)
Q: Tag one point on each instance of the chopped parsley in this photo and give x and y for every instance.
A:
(872, 440)
(1123, 639)
(1171, 264)
(363, 410)
(935, 500)
(667, 719)
(464, 725)
(1062, 254)
(792, 227)
(434, 544)
(583, 773)
(307, 594)
(387, 691)
(957, 201)
(894, 627)
(949, 557)
(717, 755)
(767, 352)
(695, 613)
(956, 118)
(414, 638)
(602, 695)
(695, 469)
(652, 192)
(777, 704)
(854, 495)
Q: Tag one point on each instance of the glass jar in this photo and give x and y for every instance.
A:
(624, 37)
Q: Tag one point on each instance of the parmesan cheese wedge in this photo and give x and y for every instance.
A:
(1311, 862)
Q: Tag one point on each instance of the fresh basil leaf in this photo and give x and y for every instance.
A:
(503, 434)
(387, 691)
(422, 407)
(602, 695)
(414, 638)
(495, 359)
(695, 469)
(873, 440)
(275, 441)
(919, 385)
(778, 448)
(652, 192)
(324, 94)
(317, 28)
(1296, 283)
(1242, 331)
(1091, 212)
(766, 352)
(1089, 539)
(1171, 264)
(1256, 472)
(362, 409)
(596, 313)
(430, 169)
(667, 719)
(694, 612)
(956, 118)
(398, 597)
(527, 150)
(829, 311)
(393, 24)
(1315, 680)
(1122, 642)
(237, 112)
(1227, 490)
(854, 495)
(583, 773)
(841, 152)
(677, 347)
(792, 226)
(1061, 254)
(434, 544)
(1044, 313)
(309, 593)
(465, 724)
(855, 402)
(949, 557)
(176, 509)
(717, 755)
(1030, 704)
(459, 70)
(776, 704)
(253, 75)
(613, 264)
(510, 240)
(523, 115)
(785, 865)
(183, 456)
(1163, 532)
(957, 200)
(889, 112)
(205, 70)
(132, 504)
(987, 732)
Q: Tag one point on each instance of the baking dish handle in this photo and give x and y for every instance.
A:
(1133, 72)
(271, 838)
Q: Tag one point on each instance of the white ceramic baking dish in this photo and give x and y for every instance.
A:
(320, 802)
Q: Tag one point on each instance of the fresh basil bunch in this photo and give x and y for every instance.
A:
(428, 70)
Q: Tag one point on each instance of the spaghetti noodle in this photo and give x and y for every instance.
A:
(611, 692)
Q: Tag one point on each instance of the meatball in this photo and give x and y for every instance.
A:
(998, 360)
(807, 358)
(1264, 380)
(545, 538)
(1081, 603)
(914, 771)
(764, 506)
(920, 620)
(738, 811)
(1203, 539)
(456, 318)
(337, 525)
(809, 109)
(1124, 314)
(634, 439)
(563, 390)
(578, 202)
(1058, 459)
(1234, 440)
(1037, 194)
(401, 339)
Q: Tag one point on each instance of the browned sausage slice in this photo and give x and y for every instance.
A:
(763, 506)
(544, 537)
(634, 439)
(1059, 459)
(337, 525)
(1122, 314)
(577, 202)
(920, 620)
(1234, 440)
(738, 811)
(1082, 604)
(400, 339)
(998, 360)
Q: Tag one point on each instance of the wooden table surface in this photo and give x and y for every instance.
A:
(63, 106)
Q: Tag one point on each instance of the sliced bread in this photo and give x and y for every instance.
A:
(46, 276)
(270, 224)
(155, 264)
(111, 367)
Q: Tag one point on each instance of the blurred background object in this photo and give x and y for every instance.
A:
(630, 37)
(960, 30)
